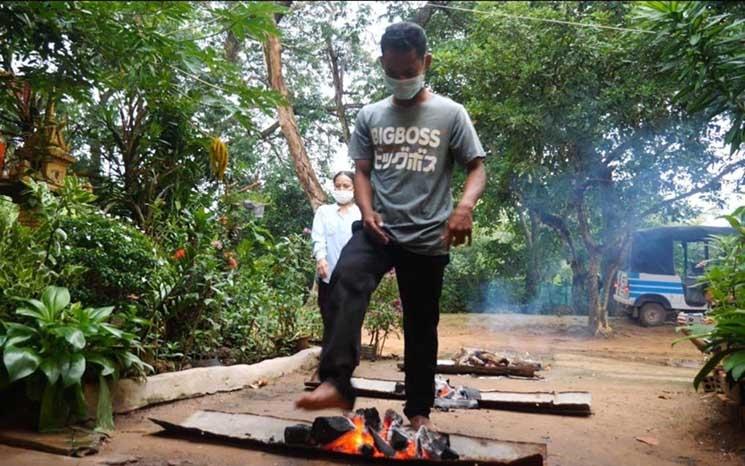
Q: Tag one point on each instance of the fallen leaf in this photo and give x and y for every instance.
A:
(648, 440)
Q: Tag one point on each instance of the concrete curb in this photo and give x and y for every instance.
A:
(129, 394)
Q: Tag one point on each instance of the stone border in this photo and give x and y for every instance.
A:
(129, 394)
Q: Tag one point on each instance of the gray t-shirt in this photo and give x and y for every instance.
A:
(414, 149)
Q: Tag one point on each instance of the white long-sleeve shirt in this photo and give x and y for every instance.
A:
(331, 231)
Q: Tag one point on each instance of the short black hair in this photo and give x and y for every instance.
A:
(404, 36)
(346, 173)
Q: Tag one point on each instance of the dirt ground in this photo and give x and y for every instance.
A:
(641, 387)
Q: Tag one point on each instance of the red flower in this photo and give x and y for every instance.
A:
(179, 254)
(232, 263)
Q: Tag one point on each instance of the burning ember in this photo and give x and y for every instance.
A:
(482, 358)
(364, 434)
(449, 397)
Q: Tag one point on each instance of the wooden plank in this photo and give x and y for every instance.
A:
(372, 388)
(267, 432)
(69, 442)
(447, 366)
(565, 403)
(572, 403)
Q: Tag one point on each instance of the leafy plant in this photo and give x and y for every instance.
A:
(725, 277)
(701, 45)
(55, 346)
(30, 255)
(119, 260)
(384, 315)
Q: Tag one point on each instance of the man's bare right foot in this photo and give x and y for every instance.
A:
(419, 421)
(325, 396)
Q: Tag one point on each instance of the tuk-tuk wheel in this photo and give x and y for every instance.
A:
(652, 314)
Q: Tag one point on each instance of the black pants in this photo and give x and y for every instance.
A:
(323, 305)
(324, 294)
(361, 266)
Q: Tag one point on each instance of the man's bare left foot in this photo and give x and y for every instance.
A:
(419, 421)
(323, 397)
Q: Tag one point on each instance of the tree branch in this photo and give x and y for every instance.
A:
(559, 225)
(704, 187)
(337, 73)
(424, 14)
(584, 227)
(265, 133)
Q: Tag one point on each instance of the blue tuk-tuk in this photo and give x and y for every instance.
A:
(662, 272)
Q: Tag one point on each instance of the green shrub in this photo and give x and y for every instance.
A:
(29, 256)
(481, 276)
(384, 314)
(725, 280)
(119, 260)
(53, 346)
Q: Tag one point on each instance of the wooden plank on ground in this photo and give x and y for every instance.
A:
(565, 403)
(69, 442)
(267, 432)
(448, 366)
(574, 403)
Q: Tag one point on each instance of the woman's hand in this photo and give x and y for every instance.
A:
(322, 267)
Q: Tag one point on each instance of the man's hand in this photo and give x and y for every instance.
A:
(322, 267)
(373, 223)
(459, 226)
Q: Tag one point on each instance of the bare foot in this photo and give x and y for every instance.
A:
(323, 397)
(419, 421)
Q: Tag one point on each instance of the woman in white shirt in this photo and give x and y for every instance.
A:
(332, 229)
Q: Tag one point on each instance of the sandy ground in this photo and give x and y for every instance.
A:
(640, 386)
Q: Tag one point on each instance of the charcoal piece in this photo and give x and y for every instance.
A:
(372, 417)
(447, 403)
(433, 445)
(397, 439)
(381, 444)
(329, 428)
(469, 393)
(298, 435)
(392, 418)
(448, 454)
(367, 451)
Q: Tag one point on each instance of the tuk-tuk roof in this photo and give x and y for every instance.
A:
(652, 248)
(684, 232)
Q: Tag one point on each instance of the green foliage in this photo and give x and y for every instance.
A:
(581, 129)
(55, 344)
(701, 45)
(30, 255)
(119, 260)
(384, 314)
(725, 280)
(267, 312)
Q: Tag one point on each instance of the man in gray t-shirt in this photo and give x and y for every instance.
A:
(404, 148)
(413, 150)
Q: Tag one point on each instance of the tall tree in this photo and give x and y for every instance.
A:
(589, 143)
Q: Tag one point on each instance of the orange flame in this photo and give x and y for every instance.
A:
(352, 442)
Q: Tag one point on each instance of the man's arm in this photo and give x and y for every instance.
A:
(363, 194)
(460, 223)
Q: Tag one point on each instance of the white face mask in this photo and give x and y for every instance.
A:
(404, 89)
(343, 197)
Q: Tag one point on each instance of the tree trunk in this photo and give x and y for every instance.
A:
(288, 124)
(579, 287)
(533, 270)
(597, 317)
(337, 73)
